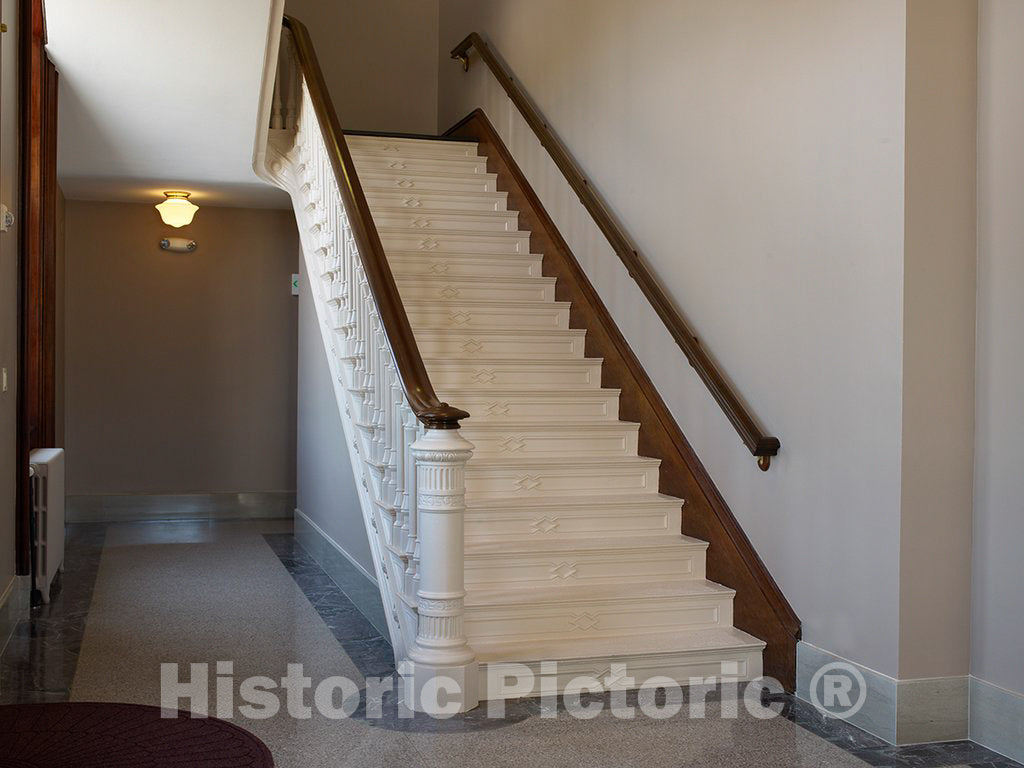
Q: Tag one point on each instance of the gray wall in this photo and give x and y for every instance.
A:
(379, 60)
(998, 600)
(180, 368)
(326, 489)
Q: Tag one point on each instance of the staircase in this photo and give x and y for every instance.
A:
(512, 520)
(571, 553)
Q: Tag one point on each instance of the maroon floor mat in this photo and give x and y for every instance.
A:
(97, 735)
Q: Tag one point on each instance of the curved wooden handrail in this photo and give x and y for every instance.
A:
(394, 321)
(761, 445)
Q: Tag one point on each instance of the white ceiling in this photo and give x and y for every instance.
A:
(159, 94)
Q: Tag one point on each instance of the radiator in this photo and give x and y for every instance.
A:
(47, 470)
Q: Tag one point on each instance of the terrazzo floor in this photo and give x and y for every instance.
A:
(138, 595)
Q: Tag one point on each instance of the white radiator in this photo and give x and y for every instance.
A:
(47, 469)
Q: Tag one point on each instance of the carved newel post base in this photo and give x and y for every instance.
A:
(441, 673)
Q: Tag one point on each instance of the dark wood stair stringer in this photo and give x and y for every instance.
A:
(760, 607)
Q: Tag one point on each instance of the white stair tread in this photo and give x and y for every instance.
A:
(359, 153)
(456, 233)
(439, 194)
(504, 362)
(371, 139)
(426, 212)
(470, 280)
(578, 501)
(549, 426)
(553, 467)
(474, 304)
(485, 309)
(435, 255)
(591, 593)
(695, 640)
(498, 545)
(535, 393)
(408, 173)
(501, 333)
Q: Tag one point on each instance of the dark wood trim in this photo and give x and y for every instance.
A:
(761, 445)
(760, 608)
(37, 260)
(48, 240)
(408, 361)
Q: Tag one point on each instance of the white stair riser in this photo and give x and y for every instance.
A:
(548, 482)
(556, 444)
(503, 221)
(537, 289)
(584, 567)
(386, 200)
(415, 264)
(455, 316)
(682, 667)
(495, 242)
(571, 522)
(401, 147)
(524, 406)
(514, 376)
(376, 161)
(513, 345)
(412, 182)
(598, 618)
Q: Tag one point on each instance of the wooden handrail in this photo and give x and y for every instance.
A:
(394, 321)
(761, 445)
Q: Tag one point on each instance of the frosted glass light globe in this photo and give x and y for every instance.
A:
(176, 210)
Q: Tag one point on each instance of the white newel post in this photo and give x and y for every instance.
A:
(441, 653)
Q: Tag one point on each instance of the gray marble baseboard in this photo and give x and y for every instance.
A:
(932, 709)
(997, 719)
(898, 711)
(351, 577)
(14, 607)
(877, 716)
(116, 508)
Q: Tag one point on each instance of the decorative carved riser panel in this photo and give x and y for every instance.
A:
(623, 618)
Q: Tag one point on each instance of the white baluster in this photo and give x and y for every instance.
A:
(409, 516)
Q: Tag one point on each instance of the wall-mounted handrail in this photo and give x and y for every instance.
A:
(394, 321)
(761, 445)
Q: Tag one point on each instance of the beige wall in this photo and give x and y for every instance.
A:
(938, 338)
(379, 60)
(755, 152)
(998, 600)
(180, 368)
(8, 288)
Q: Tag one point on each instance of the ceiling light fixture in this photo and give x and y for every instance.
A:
(176, 210)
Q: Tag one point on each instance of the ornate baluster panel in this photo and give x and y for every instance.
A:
(410, 478)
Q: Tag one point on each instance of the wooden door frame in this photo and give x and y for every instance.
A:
(37, 262)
